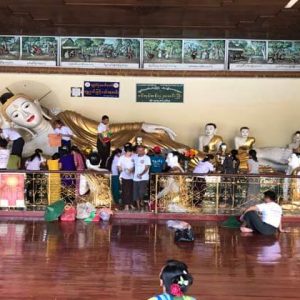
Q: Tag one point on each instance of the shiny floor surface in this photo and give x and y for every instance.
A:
(122, 261)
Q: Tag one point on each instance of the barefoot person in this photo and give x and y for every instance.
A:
(270, 220)
(142, 164)
(175, 280)
(126, 170)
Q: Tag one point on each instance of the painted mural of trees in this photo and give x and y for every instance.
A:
(39, 48)
(100, 49)
(9, 47)
(283, 52)
(247, 51)
(163, 51)
(204, 51)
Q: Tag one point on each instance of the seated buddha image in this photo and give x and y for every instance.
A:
(210, 142)
(243, 144)
(25, 113)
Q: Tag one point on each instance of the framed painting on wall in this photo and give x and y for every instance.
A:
(284, 55)
(100, 52)
(39, 51)
(204, 54)
(9, 50)
(162, 54)
(247, 55)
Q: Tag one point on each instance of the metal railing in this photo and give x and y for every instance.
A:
(221, 193)
(168, 192)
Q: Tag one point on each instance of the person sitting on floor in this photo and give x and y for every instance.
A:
(270, 220)
(175, 280)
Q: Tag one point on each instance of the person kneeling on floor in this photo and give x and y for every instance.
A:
(270, 220)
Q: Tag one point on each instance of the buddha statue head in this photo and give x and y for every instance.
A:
(244, 131)
(210, 129)
(21, 110)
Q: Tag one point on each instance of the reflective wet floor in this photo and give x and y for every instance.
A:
(122, 260)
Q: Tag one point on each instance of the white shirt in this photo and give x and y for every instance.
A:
(4, 156)
(140, 163)
(10, 134)
(64, 130)
(204, 167)
(102, 128)
(254, 165)
(35, 164)
(271, 213)
(114, 166)
(126, 164)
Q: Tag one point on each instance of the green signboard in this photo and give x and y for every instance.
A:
(159, 93)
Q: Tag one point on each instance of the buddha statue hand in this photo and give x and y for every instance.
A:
(154, 128)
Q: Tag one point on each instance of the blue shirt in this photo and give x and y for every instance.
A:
(157, 163)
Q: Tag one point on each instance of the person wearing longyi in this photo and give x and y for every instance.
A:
(104, 140)
(11, 135)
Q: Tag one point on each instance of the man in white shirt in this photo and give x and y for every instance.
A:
(142, 163)
(103, 140)
(270, 220)
(11, 135)
(4, 154)
(65, 132)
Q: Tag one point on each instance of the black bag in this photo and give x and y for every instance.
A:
(185, 235)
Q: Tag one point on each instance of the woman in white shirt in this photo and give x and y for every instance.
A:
(270, 220)
(35, 162)
(112, 166)
(126, 169)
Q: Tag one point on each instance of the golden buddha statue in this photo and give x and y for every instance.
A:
(210, 142)
(243, 144)
(34, 123)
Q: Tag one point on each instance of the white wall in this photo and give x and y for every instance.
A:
(270, 107)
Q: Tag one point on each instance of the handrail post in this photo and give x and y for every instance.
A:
(156, 192)
(217, 195)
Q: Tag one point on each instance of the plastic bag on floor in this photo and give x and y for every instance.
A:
(54, 210)
(69, 214)
(175, 224)
(105, 214)
(185, 235)
(84, 210)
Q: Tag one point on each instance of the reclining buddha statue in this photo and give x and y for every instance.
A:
(35, 124)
